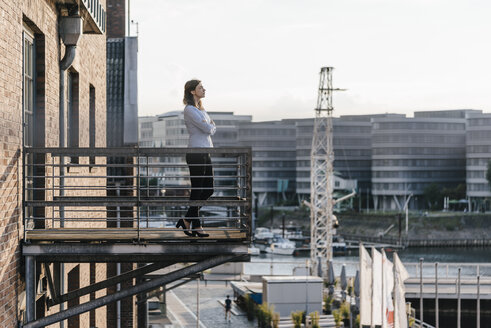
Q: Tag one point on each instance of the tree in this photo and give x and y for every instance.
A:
(456, 193)
(433, 195)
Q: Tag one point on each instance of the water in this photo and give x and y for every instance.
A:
(450, 259)
(450, 255)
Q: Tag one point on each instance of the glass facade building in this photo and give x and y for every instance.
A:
(273, 159)
(352, 153)
(385, 156)
(478, 155)
(409, 154)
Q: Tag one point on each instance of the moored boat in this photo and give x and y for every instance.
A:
(281, 246)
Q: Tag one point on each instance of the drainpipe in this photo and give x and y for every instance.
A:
(70, 29)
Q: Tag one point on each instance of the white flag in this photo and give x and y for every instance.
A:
(388, 287)
(400, 275)
(365, 287)
(376, 287)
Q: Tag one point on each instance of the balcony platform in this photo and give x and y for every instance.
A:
(128, 252)
(131, 234)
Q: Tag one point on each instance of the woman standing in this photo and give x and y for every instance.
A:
(200, 129)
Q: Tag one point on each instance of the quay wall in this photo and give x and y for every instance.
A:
(445, 230)
(447, 312)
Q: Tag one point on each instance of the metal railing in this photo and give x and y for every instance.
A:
(445, 270)
(448, 270)
(130, 188)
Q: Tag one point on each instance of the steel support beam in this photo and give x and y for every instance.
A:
(148, 253)
(159, 292)
(30, 288)
(143, 287)
(142, 306)
(109, 282)
(52, 289)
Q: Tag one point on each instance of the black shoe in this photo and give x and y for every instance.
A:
(197, 233)
(186, 231)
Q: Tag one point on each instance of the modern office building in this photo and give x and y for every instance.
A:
(273, 159)
(352, 153)
(145, 131)
(169, 130)
(409, 154)
(478, 157)
(386, 156)
(353, 148)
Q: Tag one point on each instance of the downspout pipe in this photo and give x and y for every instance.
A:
(69, 57)
(70, 30)
(65, 63)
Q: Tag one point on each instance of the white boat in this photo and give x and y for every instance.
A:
(254, 251)
(262, 234)
(280, 246)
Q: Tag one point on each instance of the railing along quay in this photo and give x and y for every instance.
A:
(417, 242)
(132, 194)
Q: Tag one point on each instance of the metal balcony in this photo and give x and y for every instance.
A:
(122, 205)
(131, 194)
(93, 13)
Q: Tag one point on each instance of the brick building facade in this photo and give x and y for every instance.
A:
(30, 54)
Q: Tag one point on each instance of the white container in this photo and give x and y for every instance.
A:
(293, 293)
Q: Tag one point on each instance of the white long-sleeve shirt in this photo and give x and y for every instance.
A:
(200, 127)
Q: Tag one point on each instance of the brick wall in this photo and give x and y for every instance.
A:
(10, 157)
(41, 18)
(116, 18)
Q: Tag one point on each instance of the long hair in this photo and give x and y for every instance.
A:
(188, 96)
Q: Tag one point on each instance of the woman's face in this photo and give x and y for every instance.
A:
(199, 92)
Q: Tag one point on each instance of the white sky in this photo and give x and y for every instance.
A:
(263, 57)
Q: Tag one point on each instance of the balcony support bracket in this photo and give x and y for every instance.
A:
(137, 289)
(109, 282)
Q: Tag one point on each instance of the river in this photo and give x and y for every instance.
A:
(450, 260)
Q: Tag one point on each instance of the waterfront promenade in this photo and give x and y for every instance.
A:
(181, 308)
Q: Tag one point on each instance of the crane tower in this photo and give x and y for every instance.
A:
(321, 175)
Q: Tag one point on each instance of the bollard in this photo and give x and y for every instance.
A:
(436, 296)
(478, 311)
(421, 292)
(458, 298)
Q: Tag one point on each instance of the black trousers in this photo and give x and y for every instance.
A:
(201, 172)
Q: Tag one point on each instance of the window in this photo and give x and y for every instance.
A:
(33, 115)
(72, 113)
(28, 92)
(28, 62)
(92, 134)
